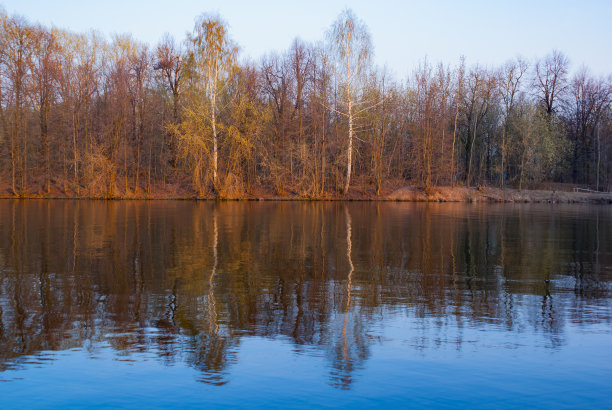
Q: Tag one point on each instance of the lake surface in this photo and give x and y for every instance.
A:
(289, 304)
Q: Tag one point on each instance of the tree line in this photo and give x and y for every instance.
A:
(81, 115)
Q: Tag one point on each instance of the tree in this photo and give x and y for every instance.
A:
(351, 48)
(140, 63)
(510, 80)
(17, 52)
(551, 79)
(458, 96)
(588, 100)
(78, 79)
(171, 63)
(214, 55)
(44, 73)
(478, 100)
(541, 147)
(379, 122)
(319, 118)
(278, 90)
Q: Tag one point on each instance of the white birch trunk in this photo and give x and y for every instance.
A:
(349, 163)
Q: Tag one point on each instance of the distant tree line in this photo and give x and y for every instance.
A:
(83, 116)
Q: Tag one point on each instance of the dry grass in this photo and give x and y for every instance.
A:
(461, 194)
(182, 190)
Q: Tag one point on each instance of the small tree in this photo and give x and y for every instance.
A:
(541, 147)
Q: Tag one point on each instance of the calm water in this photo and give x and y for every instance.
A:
(198, 304)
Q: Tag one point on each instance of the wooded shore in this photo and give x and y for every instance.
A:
(403, 194)
(86, 116)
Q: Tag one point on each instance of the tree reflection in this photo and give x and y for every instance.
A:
(350, 350)
(188, 281)
(209, 346)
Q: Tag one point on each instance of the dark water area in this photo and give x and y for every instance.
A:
(200, 304)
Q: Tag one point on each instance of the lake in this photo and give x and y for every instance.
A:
(297, 304)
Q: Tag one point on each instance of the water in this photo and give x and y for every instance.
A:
(201, 304)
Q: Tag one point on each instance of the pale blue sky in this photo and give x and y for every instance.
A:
(403, 32)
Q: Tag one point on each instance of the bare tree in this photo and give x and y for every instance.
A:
(140, 75)
(17, 47)
(277, 87)
(477, 103)
(300, 63)
(551, 79)
(457, 97)
(510, 80)
(350, 44)
(588, 102)
(171, 63)
(44, 71)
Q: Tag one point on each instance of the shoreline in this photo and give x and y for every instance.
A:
(404, 194)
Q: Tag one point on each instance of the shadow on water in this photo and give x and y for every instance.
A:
(188, 281)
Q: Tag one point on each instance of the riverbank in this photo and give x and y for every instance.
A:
(487, 194)
(406, 194)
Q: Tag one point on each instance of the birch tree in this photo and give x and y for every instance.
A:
(351, 49)
(214, 54)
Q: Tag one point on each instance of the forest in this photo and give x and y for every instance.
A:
(86, 116)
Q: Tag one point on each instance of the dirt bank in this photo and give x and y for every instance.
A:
(406, 193)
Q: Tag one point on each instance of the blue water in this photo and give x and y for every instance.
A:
(181, 304)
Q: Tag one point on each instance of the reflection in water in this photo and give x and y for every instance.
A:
(343, 366)
(210, 351)
(188, 281)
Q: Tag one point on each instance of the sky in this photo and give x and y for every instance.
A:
(403, 32)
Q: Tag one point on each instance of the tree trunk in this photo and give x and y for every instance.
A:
(349, 161)
(213, 101)
(469, 175)
(75, 151)
(44, 138)
(598, 159)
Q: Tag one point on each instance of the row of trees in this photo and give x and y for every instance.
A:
(80, 115)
